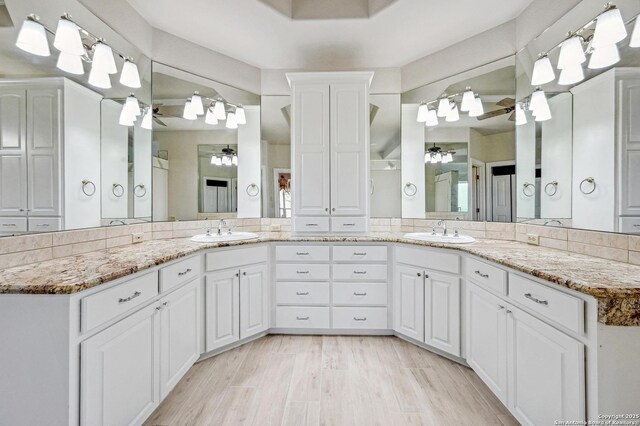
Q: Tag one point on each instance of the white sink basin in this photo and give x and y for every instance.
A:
(225, 237)
(439, 238)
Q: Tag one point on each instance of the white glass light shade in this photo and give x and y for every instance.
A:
(423, 109)
(433, 159)
(571, 53)
(427, 157)
(189, 113)
(604, 56)
(571, 75)
(538, 98)
(477, 109)
(132, 105)
(241, 117)
(103, 59)
(68, 39)
(521, 116)
(216, 161)
(210, 117)
(468, 98)
(542, 72)
(196, 104)
(432, 118)
(234, 160)
(147, 120)
(127, 115)
(226, 160)
(438, 157)
(232, 123)
(449, 157)
(453, 115)
(610, 28)
(443, 107)
(32, 38)
(99, 79)
(543, 113)
(70, 63)
(635, 35)
(130, 76)
(218, 110)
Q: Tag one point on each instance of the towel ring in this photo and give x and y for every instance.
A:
(253, 190)
(591, 181)
(554, 185)
(141, 186)
(410, 189)
(86, 183)
(526, 186)
(116, 186)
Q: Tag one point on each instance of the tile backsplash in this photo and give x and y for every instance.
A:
(25, 249)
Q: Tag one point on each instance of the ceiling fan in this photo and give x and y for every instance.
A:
(508, 106)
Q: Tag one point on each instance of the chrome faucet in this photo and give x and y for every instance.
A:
(220, 225)
(552, 221)
(443, 224)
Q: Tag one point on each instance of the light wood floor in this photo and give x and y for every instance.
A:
(330, 380)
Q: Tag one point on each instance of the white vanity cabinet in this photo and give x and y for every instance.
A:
(330, 152)
(236, 295)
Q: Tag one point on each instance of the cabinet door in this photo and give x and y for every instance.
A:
(487, 339)
(179, 334)
(222, 303)
(43, 144)
(13, 152)
(349, 149)
(546, 371)
(119, 378)
(442, 312)
(310, 150)
(629, 147)
(409, 302)
(254, 300)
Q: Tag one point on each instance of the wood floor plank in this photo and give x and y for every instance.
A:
(234, 407)
(271, 400)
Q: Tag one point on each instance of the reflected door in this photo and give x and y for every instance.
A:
(501, 198)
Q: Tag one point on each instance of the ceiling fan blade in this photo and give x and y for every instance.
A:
(160, 122)
(506, 102)
(495, 113)
(512, 117)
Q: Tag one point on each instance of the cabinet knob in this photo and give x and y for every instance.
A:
(237, 274)
(333, 209)
(326, 209)
(244, 273)
(419, 274)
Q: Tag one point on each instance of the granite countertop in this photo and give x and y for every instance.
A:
(616, 285)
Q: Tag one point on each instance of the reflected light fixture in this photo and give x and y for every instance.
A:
(147, 120)
(241, 117)
(130, 111)
(103, 60)
(196, 104)
(610, 28)
(67, 37)
(521, 116)
(431, 119)
(189, 113)
(542, 71)
(468, 99)
(571, 75)
(218, 110)
(443, 107)
(130, 76)
(453, 114)
(571, 53)
(70, 63)
(32, 37)
(477, 109)
(232, 123)
(604, 56)
(435, 154)
(423, 109)
(210, 117)
(635, 35)
(99, 79)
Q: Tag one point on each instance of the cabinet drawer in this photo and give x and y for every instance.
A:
(360, 318)
(302, 271)
(302, 253)
(429, 259)
(349, 224)
(487, 276)
(179, 273)
(359, 294)
(630, 225)
(311, 224)
(301, 293)
(356, 271)
(227, 259)
(101, 307)
(13, 224)
(360, 253)
(44, 224)
(302, 317)
(555, 305)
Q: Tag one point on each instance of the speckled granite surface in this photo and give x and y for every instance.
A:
(615, 285)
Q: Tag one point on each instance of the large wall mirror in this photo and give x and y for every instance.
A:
(458, 146)
(578, 137)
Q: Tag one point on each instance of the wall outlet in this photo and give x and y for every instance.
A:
(533, 239)
(137, 238)
(275, 227)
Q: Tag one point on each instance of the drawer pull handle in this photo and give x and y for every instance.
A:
(306, 293)
(311, 224)
(302, 318)
(359, 272)
(185, 272)
(8, 224)
(355, 253)
(359, 294)
(348, 224)
(302, 272)
(126, 299)
(360, 319)
(42, 225)
(300, 253)
(530, 297)
(481, 274)
(637, 225)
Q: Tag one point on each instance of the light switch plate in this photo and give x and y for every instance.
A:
(137, 238)
(533, 239)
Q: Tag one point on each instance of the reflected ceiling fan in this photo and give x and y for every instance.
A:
(157, 113)
(508, 106)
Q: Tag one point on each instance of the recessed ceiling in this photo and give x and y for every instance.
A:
(258, 34)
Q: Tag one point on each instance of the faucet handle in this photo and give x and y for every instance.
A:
(433, 231)
(455, 233)
(208, 229)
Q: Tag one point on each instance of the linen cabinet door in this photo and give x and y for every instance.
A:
(546, 371)
(179, 334)
(222, 303)
(442, 312)
(349, 149)
(409, 302)
(254, 300)
(13, 159)
(487, 339)
(119, 377)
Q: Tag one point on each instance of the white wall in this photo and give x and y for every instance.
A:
(526, 169)
(412, 157)
(491, 148)
(114, 153)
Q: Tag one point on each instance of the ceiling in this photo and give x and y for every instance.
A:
(258, 34)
